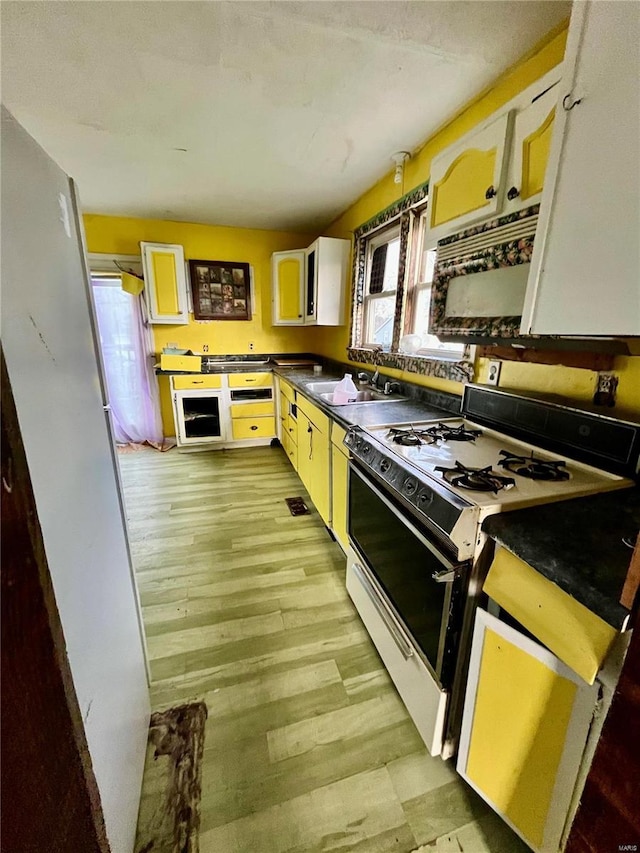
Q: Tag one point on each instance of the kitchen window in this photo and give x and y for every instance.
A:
(393, 274)
(383, 255)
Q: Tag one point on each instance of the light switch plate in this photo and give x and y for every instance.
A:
(493, 376)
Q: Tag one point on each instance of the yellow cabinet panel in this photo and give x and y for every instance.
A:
(182, 383)
(253, 428)
(291, 449)
(467, 179)
(314, 465)
(181, 362)
(525, 723)
(339, 494)
(337, 437)
(576, 635)
(288, 272)
(251, 410)
(287, 390)
(165, 282)
(314, 414)
(535, 155)
(254, 380)
(463, 188)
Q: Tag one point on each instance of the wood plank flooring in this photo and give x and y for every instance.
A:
(308, 747)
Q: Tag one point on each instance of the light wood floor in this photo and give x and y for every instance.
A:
(308, 747)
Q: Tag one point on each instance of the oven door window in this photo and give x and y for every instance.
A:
(402, 563)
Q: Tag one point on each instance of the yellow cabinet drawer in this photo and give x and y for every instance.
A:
(290, 426)
(251, 410)
(288, 391)
(183, 383)
(318, 418)
(253, 428)
(253, 380)
(291, 449)
(180, 362)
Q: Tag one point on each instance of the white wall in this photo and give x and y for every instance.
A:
(51, 358)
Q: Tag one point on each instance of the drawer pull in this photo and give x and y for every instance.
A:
(197, 381)
(254, 427)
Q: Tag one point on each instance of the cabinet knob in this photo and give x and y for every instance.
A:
(514, 192)
(253, 427)
(491, 192)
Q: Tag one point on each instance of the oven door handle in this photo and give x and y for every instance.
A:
(401, 643)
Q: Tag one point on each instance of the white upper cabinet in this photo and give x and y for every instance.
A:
(287, 284)
(467, 179)
(308, 286)
(585, 271)
(532, 129)
(165, 282)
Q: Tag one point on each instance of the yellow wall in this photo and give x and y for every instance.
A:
(122, 236)
(572, 382)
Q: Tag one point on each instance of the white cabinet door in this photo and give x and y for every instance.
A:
(327, 273)
(585, 270)
(467, 179)
(532, 133)
(200, 417)
(165, 283)
(525, 724)
(287, 287)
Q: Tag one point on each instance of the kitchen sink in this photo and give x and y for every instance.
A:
(366, 396)
(322, 387)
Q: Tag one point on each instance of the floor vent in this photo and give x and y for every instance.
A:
(297, 506)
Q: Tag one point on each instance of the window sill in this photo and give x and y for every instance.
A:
(458, 370)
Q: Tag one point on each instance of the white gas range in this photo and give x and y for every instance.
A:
(417, 497)
(474, 468)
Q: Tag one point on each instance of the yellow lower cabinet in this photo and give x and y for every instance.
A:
(339, 484)
(314, 464)
(525, 723)
(339, 495)
(244, 428)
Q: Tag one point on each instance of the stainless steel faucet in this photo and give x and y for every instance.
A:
(375, 378)
(391, 388)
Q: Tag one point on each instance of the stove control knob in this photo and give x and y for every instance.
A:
(358, 442)
(366, 449)
(385, 464)
(425, 499)
(409, 486)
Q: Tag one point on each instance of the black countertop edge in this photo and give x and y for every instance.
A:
(578, 545)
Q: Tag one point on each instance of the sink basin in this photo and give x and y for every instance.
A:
(367, 396)
(322, 387)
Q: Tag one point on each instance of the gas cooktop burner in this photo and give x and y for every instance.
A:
(534, 469)
(411, 437)
(450, 433)
(475, 479)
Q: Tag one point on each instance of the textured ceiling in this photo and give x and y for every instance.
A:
(288, 111)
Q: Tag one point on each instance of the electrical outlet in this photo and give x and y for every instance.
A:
(493, 376)
(250, 346)
(205, 347)
(605, 394)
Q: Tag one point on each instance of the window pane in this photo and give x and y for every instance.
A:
(391, 267)
(427, 265)
(421, 325)
(378, 264)
(379, 327)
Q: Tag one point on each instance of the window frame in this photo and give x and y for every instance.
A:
(378, 238)
(407, 213)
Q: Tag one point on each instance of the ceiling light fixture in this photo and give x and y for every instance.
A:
(399, 158)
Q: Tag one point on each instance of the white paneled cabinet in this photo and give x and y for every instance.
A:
(309, 285)
(585, 271)
(165, 283)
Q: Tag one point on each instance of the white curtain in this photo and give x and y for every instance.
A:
(128, 362)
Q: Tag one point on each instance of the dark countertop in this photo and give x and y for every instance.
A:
(577, 544)
(392, 411)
